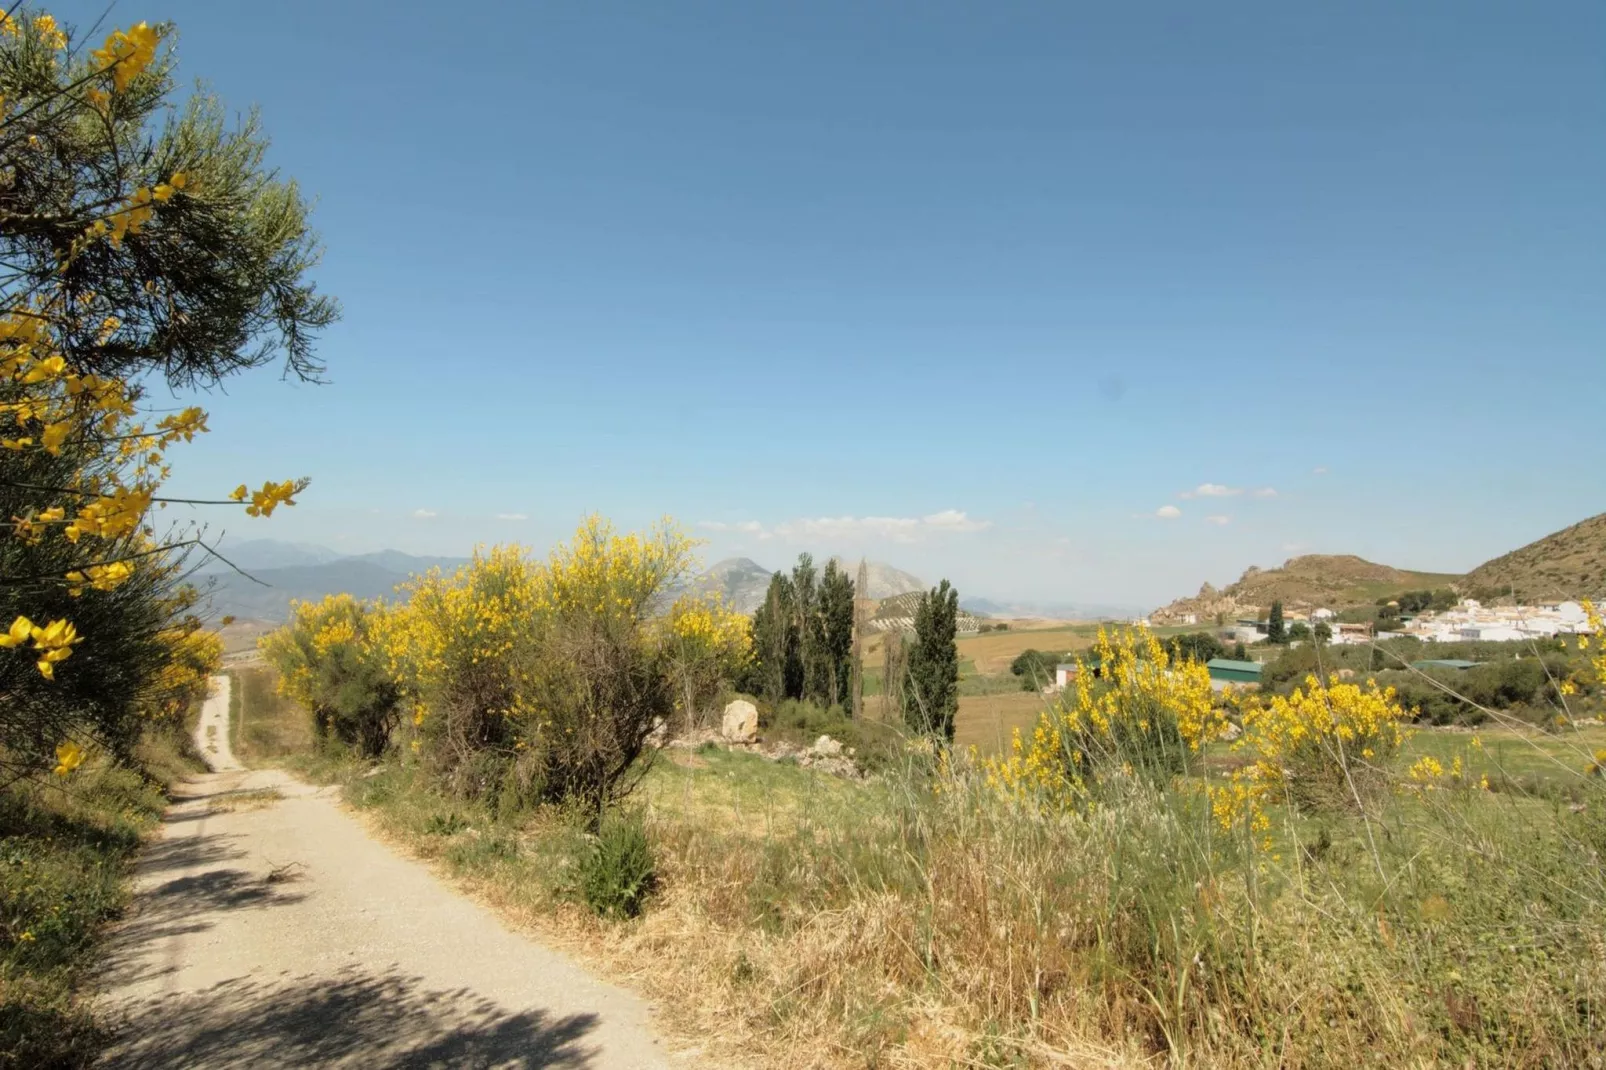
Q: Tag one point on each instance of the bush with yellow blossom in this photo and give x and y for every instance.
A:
(1327, 746)
(1133, 710)
(144, 245)
(708, 645)
(543, 679)
(330, 660)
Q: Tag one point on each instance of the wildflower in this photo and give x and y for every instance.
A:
(127, 53)
(69, 756)
(1426, 768)
(49, 32)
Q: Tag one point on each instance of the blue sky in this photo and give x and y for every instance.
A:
(977, 289)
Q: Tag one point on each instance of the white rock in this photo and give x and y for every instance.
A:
(740, 723)
(826, 747)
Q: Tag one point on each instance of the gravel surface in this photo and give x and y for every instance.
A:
(269, 930)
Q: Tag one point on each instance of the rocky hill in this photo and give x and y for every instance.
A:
(742, 581)
(1570, 563)
(1333, 581)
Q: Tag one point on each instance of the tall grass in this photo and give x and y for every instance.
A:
(65, 851)
(922, 919)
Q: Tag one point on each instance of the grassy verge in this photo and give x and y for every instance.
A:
(66, 850)
(805, 921)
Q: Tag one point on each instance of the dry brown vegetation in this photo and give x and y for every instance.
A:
(266, 726)
(986, 721)
(1560, 565)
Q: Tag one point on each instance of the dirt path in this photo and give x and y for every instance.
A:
(270, 930)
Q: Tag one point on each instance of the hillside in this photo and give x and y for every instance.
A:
(1570, 563)
(898, 614)
(1333, 581)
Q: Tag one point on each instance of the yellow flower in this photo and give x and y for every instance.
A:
(126, 53)
(49, 32)
(69, 756)
(21, 631)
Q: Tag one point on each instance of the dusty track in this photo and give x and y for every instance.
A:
(271, 930)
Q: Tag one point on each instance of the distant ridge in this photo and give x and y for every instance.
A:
(277, 573)
(1330, 581)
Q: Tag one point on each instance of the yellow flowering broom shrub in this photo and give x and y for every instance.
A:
(1133, 710)
(1327, 746)
(543, 679)
(329, 660)
(708, 645)
(143, 244)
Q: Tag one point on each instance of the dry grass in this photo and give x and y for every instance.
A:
(266, 726)
(819, 925)
(986, 721)
(810, 922)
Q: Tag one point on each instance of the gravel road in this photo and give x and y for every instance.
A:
(274, 932)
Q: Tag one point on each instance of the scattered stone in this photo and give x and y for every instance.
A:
(826, 747)
(1588, 722)
(659, 734)
(839, 767)
(740, 723)
(1231, 732)
(1346, 674)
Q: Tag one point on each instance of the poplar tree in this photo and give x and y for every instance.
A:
(835, 618)
(931, 693)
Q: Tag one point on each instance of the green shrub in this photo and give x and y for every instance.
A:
(617, 872)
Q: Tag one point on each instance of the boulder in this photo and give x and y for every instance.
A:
(1231, 732)
(740, 723)
(826, 747)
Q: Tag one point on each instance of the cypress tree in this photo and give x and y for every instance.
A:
(835, 616)
(1276, 632)
(931, 695)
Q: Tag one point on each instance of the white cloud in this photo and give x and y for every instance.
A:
(511, 516)
(1211, 490)
(955, 520)
(746, 527)
(1219, 519)
(1266, 492)
(824, 528)
(425, 514)
(1319, 470)
(1168, 512)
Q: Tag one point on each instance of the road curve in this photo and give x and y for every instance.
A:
(276, 933)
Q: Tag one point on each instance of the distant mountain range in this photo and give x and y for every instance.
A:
(276, 573)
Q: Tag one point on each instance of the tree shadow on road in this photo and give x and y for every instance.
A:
(186, 904)
(359, 1018)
